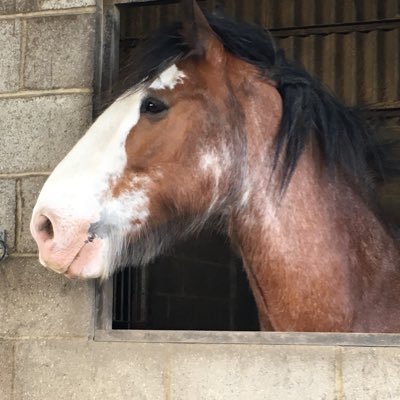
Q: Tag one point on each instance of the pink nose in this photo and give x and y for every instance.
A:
(65, 245)
(58, 245)
(43, 230)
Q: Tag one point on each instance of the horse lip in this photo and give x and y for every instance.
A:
(50, 268)
(66, 272)
(57, 271)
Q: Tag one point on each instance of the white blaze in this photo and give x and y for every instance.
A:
(79, 187)
(79, 184)
(76, 188)
(169, 78)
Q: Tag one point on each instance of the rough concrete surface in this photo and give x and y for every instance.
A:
(70, 61)
(371, 373)
(59, 4)
(92, 370)
(35, 302)
(7, 209)
(30, 188)
(253, 372)
(38, 132)
(6, 369)
(81, 369)
(10, 31)
(7, 6)
(21, 6)
(69, 370)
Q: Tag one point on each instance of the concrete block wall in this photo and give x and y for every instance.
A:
(47, 350)
(46, 80)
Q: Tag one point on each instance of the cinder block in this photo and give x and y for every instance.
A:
(59, 4)
(18, 6)
(7, 6)
(66, 370)
(6, 370)
(10, 31)
(135, 371)
(371, 373)
(36, 302)
(7, 209)
(38, 132)
(59, 52)
(22, 6)
(30, 188)
(48, 370)
(253, 372)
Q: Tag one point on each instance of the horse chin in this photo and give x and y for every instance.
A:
(122, 248)
(139, 248)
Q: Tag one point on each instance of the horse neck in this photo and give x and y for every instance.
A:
(318, 259)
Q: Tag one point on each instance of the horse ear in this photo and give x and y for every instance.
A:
(198, 33)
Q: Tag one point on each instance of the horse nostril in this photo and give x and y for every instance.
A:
(45, 228)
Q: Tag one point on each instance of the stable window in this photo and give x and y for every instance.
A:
(200, 284)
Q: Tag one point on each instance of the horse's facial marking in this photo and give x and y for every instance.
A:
(73, 201)
(129, 190)
(168, 79)
(129, 205)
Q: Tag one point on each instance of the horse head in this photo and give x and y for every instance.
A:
(158, 164)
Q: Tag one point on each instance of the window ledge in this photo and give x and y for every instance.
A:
(251, 338)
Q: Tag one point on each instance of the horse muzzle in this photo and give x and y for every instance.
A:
(66, 247)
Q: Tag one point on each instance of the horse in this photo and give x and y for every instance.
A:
(217, 127)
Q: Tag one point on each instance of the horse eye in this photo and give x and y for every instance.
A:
(150, 105)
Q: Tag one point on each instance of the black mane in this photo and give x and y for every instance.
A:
(310, 111)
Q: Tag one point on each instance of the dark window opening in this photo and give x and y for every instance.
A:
(200, 286)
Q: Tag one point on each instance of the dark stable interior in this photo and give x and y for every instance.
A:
(201, 284)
